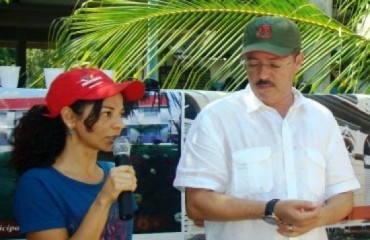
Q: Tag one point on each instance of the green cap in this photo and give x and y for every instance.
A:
(272, 34)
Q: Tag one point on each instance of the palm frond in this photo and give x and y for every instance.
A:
(139, 38)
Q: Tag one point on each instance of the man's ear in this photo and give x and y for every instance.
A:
(68, 117)
(298, 62)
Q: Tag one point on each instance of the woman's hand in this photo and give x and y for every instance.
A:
(121, 178)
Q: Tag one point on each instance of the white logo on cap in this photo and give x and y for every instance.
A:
(90, 81)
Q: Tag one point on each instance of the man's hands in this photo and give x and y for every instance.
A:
(297, 217)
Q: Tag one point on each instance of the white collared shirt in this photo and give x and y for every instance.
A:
(243, 148)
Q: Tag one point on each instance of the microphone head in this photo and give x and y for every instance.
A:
(121, 146)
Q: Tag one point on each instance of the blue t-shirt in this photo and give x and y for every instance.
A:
(47, 199)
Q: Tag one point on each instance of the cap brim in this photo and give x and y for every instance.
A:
(131, 91)
(269, 48)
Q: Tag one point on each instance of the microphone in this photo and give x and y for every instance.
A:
(121, 153)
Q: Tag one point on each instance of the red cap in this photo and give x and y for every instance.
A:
(87, 84)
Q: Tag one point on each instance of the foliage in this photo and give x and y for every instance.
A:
(7, 56)
(36, 60)
(199, 35)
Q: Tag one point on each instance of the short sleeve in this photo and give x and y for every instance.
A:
(340, 173)
(202, 163)
(34, 206)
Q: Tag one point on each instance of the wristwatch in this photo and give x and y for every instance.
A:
(269, 216)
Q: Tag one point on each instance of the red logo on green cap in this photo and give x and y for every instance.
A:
(264, 31)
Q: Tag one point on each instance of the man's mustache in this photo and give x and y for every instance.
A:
(264, 82)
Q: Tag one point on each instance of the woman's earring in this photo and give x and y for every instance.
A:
(70, 130)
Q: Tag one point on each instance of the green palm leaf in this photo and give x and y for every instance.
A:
(199, 36)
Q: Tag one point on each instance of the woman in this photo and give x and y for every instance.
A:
(63, 191)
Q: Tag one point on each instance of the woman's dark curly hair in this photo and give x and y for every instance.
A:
(37, 140)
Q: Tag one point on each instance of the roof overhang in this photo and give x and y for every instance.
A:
(29, 21)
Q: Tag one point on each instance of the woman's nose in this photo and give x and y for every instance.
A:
(118, 122)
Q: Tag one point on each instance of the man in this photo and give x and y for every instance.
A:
(265, 162)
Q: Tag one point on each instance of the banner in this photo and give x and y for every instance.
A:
(156, 130)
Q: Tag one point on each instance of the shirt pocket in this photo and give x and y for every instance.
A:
(315, 167)
(252, 171)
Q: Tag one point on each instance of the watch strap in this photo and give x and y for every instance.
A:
(270, 207)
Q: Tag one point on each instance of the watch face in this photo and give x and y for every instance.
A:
(270, 219)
